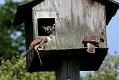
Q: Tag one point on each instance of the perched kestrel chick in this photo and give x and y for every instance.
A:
(90, 48)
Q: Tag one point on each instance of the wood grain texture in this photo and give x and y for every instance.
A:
(75, 19)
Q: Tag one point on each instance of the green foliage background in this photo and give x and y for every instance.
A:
(12, 45)
(14, 69)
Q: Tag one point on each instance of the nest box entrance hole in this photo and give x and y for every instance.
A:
(45, 26)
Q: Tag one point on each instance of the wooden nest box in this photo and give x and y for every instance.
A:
(77, 22)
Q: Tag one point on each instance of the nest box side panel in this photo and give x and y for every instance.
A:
(28, 30)
(88, 18)
(74, 19)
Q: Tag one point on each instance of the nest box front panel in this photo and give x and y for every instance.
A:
(74, 20)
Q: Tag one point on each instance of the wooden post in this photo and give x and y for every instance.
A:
(68, 71)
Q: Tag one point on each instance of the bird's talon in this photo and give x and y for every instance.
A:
(40, 49)
(90, 48)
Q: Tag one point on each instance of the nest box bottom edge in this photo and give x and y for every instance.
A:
(53, 59)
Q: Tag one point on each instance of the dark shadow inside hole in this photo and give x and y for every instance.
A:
(43, 26)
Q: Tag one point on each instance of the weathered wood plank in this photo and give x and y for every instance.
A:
(75, 19)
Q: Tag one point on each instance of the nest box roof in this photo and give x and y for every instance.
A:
(24, 10)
